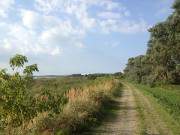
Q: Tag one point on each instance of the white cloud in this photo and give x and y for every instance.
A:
(110, 5)
(117, 18)
(56, 51)
(123, 26)
(109, 15)
(76, 8)
(5, 5)
(80, 45)
(57, 24)
(25, 41)
(48, 6)
(113, 16)
(80, 10)
(62, 34)
(39, 34)
(30, 19)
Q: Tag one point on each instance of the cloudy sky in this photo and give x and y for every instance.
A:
(78, 36)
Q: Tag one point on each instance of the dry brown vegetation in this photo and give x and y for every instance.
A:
(83, 108)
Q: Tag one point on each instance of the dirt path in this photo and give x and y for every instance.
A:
(134, 114)
(125, 121)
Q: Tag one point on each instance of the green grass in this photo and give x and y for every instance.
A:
(166, 101)
(141, 126)
(168, 96)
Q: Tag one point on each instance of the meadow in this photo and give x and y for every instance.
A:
(60, 84)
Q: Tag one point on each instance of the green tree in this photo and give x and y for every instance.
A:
(162, 60)
(17, 105)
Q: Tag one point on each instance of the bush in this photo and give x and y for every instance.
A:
(19, 107)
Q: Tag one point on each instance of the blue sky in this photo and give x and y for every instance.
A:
(78, 36)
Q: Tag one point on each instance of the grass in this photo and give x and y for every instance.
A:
(166, 101)
(168, 96)
(141, 116)
(61, 84)
(85, 106)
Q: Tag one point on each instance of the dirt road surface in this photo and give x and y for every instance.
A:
(128, 120)
(125, 121)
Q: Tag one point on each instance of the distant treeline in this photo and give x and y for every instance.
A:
(161, 63)
(88, 76)
(94, 76)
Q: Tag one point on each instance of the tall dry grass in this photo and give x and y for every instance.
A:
(84, 105)
(80, 112)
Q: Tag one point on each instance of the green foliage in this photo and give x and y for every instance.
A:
(118, 75)
(18, 61)
(176, 6)
(30, 69)
(162, 60)
(18, 105)
(49, 102)
(92, 77)
(96, 75)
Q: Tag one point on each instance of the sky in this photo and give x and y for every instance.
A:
(78, 36)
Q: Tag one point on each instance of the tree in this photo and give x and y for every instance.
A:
(17, 106)
(162, 59)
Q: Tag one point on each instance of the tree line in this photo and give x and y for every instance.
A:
(161, 63)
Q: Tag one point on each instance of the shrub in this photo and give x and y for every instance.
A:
(19, 108)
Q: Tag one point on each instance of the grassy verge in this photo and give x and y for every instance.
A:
(165, 100)
(141, 116)
(166, 96)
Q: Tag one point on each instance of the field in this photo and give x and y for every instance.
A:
(61, 84)
(81, 104)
